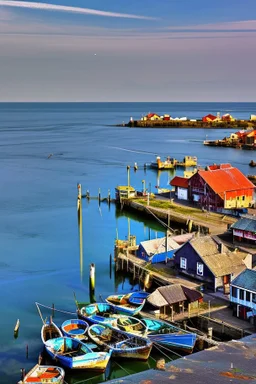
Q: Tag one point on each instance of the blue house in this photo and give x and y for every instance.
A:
(157, 250)
(243, 295)
(206, 259)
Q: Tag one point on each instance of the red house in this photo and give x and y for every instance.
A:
(209, 118)
(221, 188)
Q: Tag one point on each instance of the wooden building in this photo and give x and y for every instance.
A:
(181, 187)
(174, 299)
(210, 261)
(157, 250)
(221, 188)
(243, 295)
(244, 230)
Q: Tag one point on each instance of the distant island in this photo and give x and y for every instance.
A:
(209, 121)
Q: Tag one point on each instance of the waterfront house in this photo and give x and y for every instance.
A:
(244, 230)
(181, 187)
(174, 299)
(151, 116)
(243, 295)
(227, 117)
(221, 188)
(166, 117)
(207, 259)
(157, 250)
(209, 118)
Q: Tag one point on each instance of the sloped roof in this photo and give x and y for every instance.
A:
(220, 263)
(155, 246)
(157, 299)
(226, 179)
(178, 181)
(245, 223)
(171, 294)
(210, 116)
(181, 239)
(246, 280)
(192, 294)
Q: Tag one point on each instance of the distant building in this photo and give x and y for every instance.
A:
(181, 187)
(208, 260)
(227, 117)
(221, 188)
(157, 250)
(243, 295)
(208, 118)
(151, 116)
(244, 230)
(253, 117)
(124, 192)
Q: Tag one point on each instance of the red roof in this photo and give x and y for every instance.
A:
(152, 114)
(210, 116)
(178, 181)
(226, 179)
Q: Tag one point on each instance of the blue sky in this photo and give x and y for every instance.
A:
(120, 50)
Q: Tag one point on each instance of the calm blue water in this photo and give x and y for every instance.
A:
(39, 259)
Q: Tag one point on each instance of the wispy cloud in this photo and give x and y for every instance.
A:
(63, 8)
(229, 26)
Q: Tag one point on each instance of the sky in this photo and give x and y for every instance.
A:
(128, 50)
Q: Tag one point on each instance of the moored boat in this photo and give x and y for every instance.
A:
(41, 374)
(168, 335)
(103, 313)
(70, 352)
(75, 328)
(169, 163)
(74, 354)
(126, 304)
(252, 163)
(122, 344)
(252, 178)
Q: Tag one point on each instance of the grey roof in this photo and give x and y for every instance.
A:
(157, 299)
(245, 223)
(172, 293)
(246, 280)
(218, 258)
(155, 246)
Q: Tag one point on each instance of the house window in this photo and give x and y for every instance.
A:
(200, 269)
(254, 297)
(183, 263)
(248, 296)
(241, 294)
(234, 292)
(237, 198)
(243, 197)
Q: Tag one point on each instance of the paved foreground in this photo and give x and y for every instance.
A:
(232, 362)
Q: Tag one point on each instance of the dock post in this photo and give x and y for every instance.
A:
(99, 196)
(27, 351)
(80, 226)
(110, 265)
(109, 198)
(92, 282)
(148, 199)
(128, 177)
(53, 310)
(88, 194)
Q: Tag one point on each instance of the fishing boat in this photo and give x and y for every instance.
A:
(42, 374)
(70, 352)
(103, 313)
(129, 304)
(122, 344)
(168, 335)
(169, 163)
(75, 328)
(74, 354)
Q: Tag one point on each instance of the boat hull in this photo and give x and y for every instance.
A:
(75, 328)
(42, 374)
(89, 361)
(181, 342)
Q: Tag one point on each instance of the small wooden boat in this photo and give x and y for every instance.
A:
(75, 328)
(252, 178)
(70, 352)
(42, 374)
(252, 163)
(122, 344)
(103, 313)
(126, 304)
(74, 354)
(168, 335)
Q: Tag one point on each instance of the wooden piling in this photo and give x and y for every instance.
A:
(92, 280)
(128, 175)
(109, 197)
(53, 310)
(27, 351)
(80, 226)
(16, 329)
(110, 265)
(99, 196)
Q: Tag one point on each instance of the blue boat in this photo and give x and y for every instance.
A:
(122, 344)
(126, 304)
(75, 328)
(103, 313)
(70, 352)
(168, 335)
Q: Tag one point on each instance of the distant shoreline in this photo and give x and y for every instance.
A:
(238, 124)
